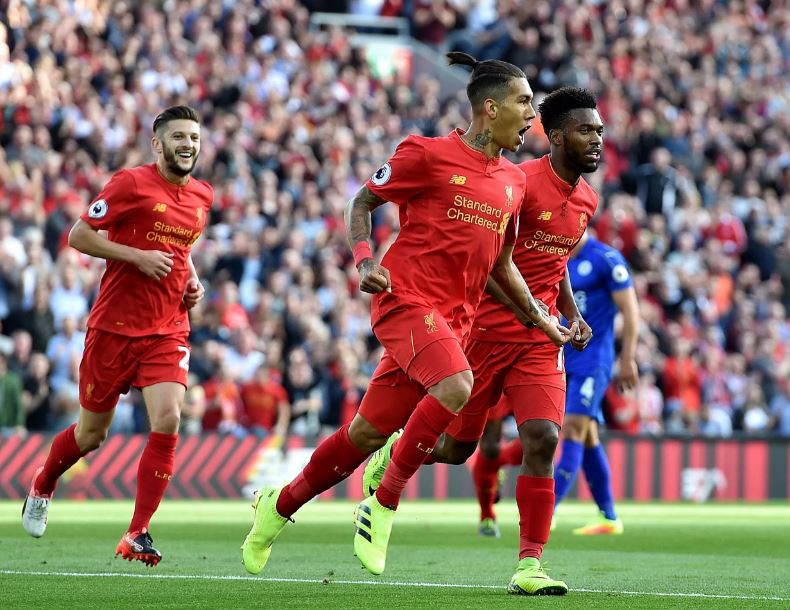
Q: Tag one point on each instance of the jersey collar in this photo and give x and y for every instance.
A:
(475, 154)
(169, 185)
(565, 187)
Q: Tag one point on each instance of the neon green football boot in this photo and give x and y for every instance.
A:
(377, 465)
(374, 525)
(488, 528)
(266, 526)
(531, 579)
(601, 527)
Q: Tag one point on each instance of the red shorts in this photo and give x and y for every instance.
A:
(525, 379)
(421, 343)
(392, 395)
(113, 363)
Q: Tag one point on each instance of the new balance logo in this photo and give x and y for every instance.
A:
(459, 180)
(160, 207)
(545, 215)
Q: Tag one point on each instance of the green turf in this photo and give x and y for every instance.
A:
(671, 556)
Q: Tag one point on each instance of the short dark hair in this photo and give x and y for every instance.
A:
(490, 78)
(556, 106)
(175, 113)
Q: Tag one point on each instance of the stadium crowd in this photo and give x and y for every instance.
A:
(695, 191)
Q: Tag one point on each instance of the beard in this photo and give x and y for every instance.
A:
(174, 163)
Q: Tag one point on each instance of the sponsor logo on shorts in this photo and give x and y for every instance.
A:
(430, 323)
(89, 391)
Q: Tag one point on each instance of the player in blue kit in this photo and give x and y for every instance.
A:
(602, 286)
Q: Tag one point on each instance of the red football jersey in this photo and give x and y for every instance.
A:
(457, 209)
(553, 218)
(140, 208)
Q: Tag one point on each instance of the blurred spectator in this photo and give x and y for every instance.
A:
(36, 396)
(780, 409)
(433, 19)
(304, 393)
(713, 422)
(243, 359)
(64, 352)
(12, 411)
(266, 408)
(756, 417)
(193, 410)
(37, 318)
(682, 382)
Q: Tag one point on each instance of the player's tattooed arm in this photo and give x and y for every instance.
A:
(373, 277)
(507, 276)
(495, 290)
(581, 333)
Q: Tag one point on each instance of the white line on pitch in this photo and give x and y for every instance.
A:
(373, 582)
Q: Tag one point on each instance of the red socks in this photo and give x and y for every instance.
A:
(332, 461)
(153, 475)
(63, 454)
(484, 474)
(511, 454)
(425, 426)
(535, 499)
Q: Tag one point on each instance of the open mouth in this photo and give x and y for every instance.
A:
(185, 154)
(593, 155)
(523, 132)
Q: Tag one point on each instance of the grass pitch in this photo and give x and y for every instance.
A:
(671, 556)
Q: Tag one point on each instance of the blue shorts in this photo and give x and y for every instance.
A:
(585, 393)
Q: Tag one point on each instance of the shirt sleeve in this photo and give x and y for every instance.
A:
(618, 276)
(402, 177)
(113, 204)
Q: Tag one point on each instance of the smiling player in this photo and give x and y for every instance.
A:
(138, 328)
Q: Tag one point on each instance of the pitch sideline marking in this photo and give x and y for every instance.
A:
(374, 582)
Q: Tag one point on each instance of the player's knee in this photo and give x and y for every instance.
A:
(454, 391)
(88, 440)
(575, 428)
(539, 439)
(365, 437)
(166, 422)
(489, 448)
(460, 453)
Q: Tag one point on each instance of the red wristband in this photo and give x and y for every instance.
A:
(361, 251)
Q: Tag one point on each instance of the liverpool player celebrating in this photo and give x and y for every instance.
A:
(520, 365)
(457, 198)
(137, 330)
